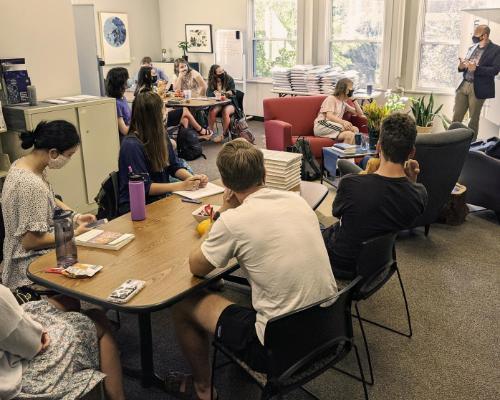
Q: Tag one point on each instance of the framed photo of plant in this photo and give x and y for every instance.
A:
(199, 38)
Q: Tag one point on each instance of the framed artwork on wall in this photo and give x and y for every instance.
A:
(199, 38)
(115, 37)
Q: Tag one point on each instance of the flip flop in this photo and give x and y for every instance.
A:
(175, 380)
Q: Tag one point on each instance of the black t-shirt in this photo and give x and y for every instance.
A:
(368, 206)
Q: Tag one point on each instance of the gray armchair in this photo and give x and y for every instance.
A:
(441, 157)
(481, 175)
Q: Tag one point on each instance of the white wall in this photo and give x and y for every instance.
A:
(144, 27)
(43, 33)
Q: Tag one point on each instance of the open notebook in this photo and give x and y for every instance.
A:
(209, 190)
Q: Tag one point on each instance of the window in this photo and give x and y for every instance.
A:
(440, 42)
(357, 31)
(274, 35)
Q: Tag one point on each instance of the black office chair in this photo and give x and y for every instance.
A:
(108, 197)
(375, 266)
(301, 345)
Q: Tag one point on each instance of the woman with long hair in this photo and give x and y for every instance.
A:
(147, 151)
(117, 81)
(220, 83)
(188, 79)
(329, 122)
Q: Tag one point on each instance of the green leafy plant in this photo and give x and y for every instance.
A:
(184, 46)
(424, 113)
(375, 114)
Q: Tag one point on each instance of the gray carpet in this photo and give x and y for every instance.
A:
(452, 282)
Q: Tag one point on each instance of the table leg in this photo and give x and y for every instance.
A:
(147, 373)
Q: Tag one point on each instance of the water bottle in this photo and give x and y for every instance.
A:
(65, 239)
(32, 95)
(137, 196)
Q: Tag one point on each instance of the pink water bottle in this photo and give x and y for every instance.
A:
(137, 196)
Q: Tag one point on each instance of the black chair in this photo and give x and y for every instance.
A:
(301, 345)
(108, 196)
(376, 265)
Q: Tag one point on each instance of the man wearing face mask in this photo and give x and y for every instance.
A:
(479, 68)
(28, 202)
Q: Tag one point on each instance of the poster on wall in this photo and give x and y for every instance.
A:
(115, 37)
(199, 38)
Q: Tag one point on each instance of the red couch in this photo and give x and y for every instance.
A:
(287, 118)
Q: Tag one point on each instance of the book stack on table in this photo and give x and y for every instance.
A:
(282, 169)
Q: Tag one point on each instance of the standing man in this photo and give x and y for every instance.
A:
(480, 66)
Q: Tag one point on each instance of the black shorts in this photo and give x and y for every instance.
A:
(236, 330)
(174, 117)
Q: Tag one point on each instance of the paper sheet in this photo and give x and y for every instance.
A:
(208, 190)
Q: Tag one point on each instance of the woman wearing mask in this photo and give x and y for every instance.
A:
(28, 202)
(117, 81)
(329, 122)
(47, 353)
(220, 83)
(147, 152)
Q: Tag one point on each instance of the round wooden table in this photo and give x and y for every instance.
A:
(200, 102)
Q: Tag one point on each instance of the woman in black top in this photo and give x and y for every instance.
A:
(220, 83)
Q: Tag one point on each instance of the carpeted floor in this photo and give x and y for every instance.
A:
(452, 279)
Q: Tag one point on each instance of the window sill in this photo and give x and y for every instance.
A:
(441, 92)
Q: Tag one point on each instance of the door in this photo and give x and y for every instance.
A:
(86, 46)
(100, 143)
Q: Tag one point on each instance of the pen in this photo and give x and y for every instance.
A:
(188, 200)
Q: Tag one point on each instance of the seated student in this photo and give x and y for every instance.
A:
(175, 117)
(48, 353)
(147, 151)
(28, 202)
(259, 226)
(116, 83)
(329, 122)
(220, 82)
(387, 200)
(189, 79)
(148, 62)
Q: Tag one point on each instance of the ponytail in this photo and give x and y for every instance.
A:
(60, 135)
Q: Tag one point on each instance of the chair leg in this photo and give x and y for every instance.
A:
(212, 378)
(365, 390)
(365, 341)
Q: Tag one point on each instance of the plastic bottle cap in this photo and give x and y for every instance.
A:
(59, 213)
(135, 177)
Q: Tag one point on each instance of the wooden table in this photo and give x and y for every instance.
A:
(196, 103)
(158, 255)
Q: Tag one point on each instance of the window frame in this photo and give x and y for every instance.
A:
(251, 40)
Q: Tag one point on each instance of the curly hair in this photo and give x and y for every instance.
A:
(397, 137)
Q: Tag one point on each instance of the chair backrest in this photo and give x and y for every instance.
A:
(441, 157)
(481, 175)
(298, 111)
(376, 264)
(301, 338)
(108, 197)
(239, 98)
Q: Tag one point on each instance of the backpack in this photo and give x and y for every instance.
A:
(240, 127)
(107, 198)
(188, 144)
(310, 170)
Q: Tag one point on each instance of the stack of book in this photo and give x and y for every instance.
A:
(282, 169)
(281, 78)
(330, 79)
(345, 148)
(299, 77)
(315, 77)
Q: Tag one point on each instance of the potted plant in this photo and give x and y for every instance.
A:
(374, 114)
(184, 46)
(424, 113)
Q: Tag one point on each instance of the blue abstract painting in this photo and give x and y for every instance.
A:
(115, 31)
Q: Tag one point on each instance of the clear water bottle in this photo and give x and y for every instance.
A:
(66, 252)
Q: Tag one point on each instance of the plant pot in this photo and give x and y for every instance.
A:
(424, 129)
(373, 135)
(185, 57)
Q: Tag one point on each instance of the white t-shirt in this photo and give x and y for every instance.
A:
(276, 239)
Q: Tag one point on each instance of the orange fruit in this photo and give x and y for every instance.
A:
(203, 227)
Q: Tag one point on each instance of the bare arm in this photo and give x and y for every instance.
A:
(38, 240)
(357, 109)
(178, 83)
(198, 264)
(203, 85)
(122, 127)
(63, 206)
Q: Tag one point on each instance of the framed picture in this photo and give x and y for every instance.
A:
(199, 38)
(115, 37)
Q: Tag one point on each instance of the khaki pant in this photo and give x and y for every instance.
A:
(465, 99)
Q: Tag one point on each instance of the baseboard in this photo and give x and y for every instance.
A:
(255, 118)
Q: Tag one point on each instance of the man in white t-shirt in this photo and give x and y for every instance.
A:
(276, 239)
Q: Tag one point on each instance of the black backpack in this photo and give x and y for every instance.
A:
(107, 198)
(188, 144)
(310, 170)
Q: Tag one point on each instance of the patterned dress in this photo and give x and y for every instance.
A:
(28, 204)
(69, 367)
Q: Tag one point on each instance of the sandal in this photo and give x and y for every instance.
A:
(217, 137)
(175, 380)
(208, 132)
